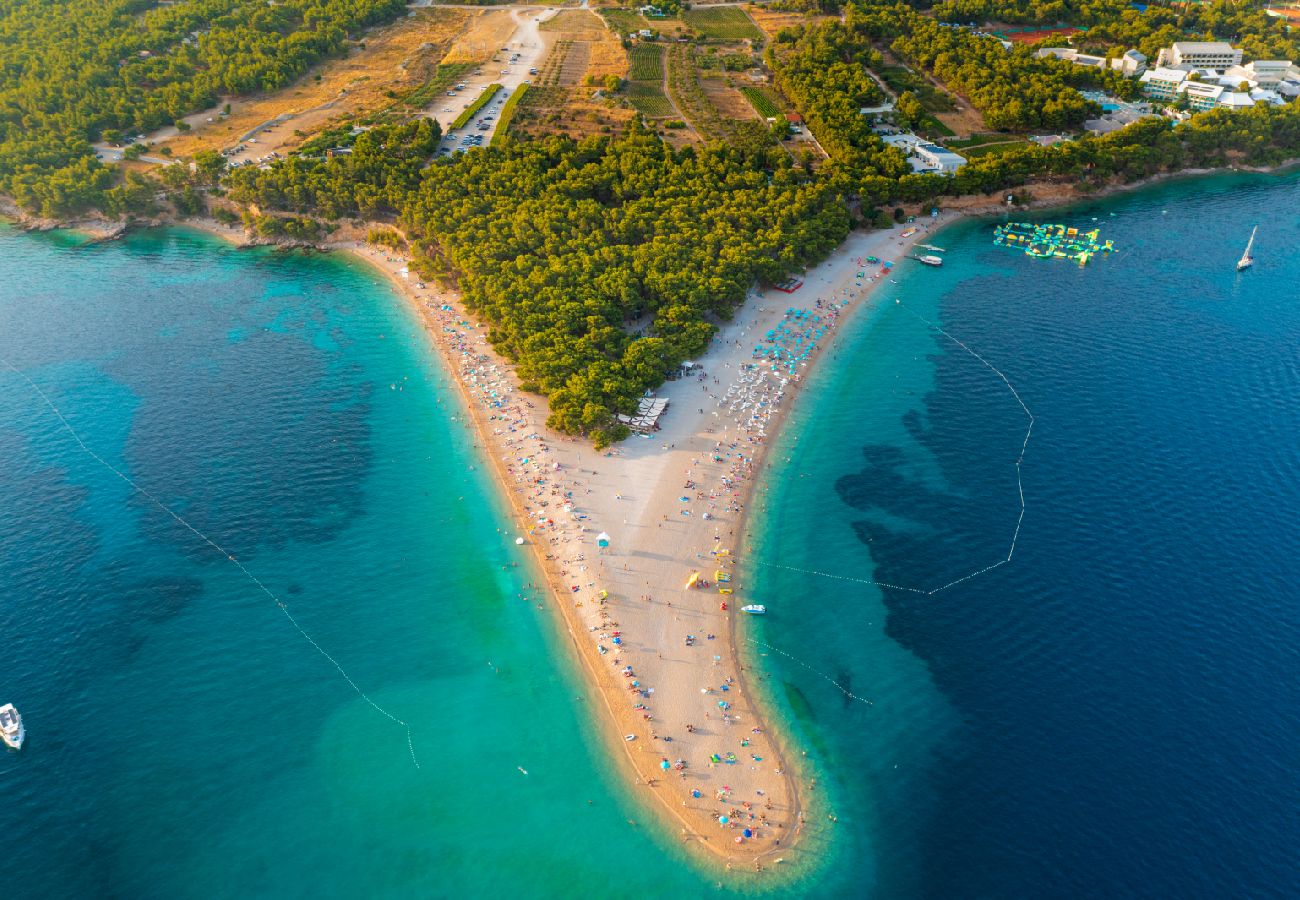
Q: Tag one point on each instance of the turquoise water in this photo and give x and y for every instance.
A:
(183, 739)
(1113, 713)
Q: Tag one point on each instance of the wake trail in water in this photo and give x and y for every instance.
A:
(410, 743)
(1020, 490)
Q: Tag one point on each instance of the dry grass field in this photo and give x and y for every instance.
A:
(729, 102)
(568, 111)
(488, 31)
(396, 58)
(595, 46)
(770, 21)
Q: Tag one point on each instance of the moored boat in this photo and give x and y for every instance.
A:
(929, 260)
(755, 609)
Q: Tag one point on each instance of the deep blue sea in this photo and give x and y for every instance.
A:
(1116, 712)
(1113, 713)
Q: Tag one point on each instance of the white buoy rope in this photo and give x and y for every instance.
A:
(842, 689)
(1020, 489)
(410, 744)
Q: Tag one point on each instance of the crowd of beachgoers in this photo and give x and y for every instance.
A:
(637, 541)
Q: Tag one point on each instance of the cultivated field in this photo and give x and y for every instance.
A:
(726, 100)
(722, 23)
(625, 21)
(649, 100)
(595, 47)
(765, 101)
(570, 112)
(647, 63)
(644, 89)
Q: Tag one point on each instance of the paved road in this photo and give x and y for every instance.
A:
(114, 154)
(527, 41)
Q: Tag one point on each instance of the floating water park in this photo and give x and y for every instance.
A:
(1047, 241)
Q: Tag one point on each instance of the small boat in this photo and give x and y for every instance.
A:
(756, 609)
(1247, 260)
(931, 247)
(11, 726)
(929, 260)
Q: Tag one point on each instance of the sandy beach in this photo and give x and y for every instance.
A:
(663, 660)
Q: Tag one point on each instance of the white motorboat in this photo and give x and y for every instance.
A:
(755, 609)
(11, 726)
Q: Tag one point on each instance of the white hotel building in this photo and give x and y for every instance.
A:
(1189, 55)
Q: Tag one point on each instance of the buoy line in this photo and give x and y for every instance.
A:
(410, 744)
(1020, 489)
(842, 689)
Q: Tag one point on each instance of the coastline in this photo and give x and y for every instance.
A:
(510, 428)
(689, 436)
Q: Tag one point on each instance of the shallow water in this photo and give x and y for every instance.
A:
(183, 739)
(1113, 712)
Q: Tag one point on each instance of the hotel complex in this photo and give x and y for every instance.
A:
(1189, 55)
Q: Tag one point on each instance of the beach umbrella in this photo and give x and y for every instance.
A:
(602, 540)
(723, 820)
(695, 794)
(665, 765)
(747, 833)
(519, 540)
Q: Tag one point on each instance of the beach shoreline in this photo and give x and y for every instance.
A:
(695, 823)
(719, 452)
(710, 801)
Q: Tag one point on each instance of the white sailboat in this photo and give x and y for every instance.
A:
(1247, 260)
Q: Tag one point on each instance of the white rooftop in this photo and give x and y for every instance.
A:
(1162, 73)
(1185, 47)
(1236, 99)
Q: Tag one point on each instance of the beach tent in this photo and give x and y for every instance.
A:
(602, 540)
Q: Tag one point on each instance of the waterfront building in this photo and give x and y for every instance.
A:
(938, 159)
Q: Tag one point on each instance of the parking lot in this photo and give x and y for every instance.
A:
(514, 63)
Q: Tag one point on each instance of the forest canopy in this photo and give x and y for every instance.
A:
(599, 266)
(72, 73)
